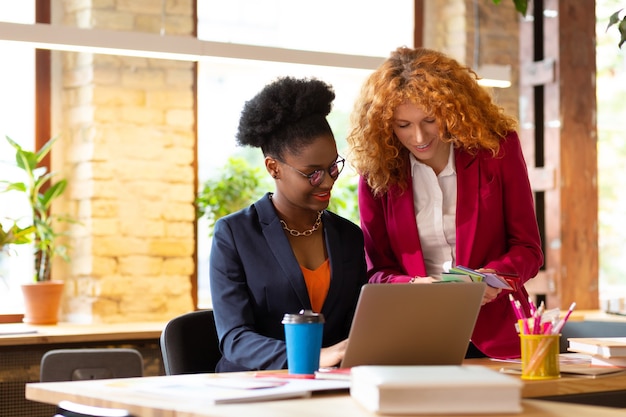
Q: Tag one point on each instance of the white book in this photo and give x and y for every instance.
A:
(435, 389)
(608, 347)
(618, 361)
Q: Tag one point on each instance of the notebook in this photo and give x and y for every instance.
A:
(413, 324)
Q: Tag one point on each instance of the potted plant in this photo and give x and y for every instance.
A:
(42, 296)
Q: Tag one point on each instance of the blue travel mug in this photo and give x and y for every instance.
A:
(303, 336)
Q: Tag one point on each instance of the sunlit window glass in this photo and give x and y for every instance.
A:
(17, 78)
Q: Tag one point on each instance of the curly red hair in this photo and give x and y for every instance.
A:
(435, 82)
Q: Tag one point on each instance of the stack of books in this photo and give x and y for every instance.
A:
(604, 351)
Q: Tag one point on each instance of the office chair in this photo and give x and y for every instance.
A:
(81, 364)
(590, 328)
(189, 344)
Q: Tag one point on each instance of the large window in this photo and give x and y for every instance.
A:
(611, 90)
(17, 81)
(348, 27)
(352, 27)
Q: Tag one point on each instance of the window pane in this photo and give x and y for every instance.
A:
(222, 91)
(360, 27)
(17, 77)
(611, 90)
(351, 27)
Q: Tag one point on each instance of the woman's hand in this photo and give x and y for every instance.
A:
(333, 355)
(490, 293)
(422, 280)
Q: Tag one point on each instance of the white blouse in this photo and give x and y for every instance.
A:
(434, 200)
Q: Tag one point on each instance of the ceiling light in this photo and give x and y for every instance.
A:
(494, 75)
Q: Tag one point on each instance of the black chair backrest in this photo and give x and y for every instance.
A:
(92, 363)
(189, 344)
(591, 328)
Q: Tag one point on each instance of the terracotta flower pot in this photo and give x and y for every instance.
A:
(42, 302)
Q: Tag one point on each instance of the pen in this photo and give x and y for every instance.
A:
(537, 318)
(516, 310)
(533, 308)
(559, 326)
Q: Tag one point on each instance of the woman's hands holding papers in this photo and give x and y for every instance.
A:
(423, 280)
(333, 355)
(491, 293)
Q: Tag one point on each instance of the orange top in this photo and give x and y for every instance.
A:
(317, 283)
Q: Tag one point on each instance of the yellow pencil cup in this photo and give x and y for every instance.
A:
(540, 356)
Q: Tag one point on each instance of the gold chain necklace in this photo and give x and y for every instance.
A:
(309, 232)
(296, 233)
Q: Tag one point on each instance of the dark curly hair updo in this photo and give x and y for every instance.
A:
(287, 115)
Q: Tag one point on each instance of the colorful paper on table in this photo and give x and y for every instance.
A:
(221, 389)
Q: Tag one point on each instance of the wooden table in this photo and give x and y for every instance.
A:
(19, 334)
(116, 393)
(21, 353)
(566, 385)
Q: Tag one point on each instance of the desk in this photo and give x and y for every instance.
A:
(77, 333)
(561, 386)
(20, 354)
(108, 393)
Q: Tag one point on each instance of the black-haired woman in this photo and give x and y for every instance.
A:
(286, 252)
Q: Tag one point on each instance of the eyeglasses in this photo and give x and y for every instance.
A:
(317, 177)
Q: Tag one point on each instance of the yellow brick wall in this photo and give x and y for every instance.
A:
(128, 132)
(450, 28)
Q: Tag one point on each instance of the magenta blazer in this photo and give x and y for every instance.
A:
(496, 228)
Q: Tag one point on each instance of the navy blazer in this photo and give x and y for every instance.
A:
(255, 279)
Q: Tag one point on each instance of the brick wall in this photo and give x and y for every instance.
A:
(128, 141)
(450, 28)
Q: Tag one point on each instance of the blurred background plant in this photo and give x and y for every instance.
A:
(238, 184)
(37, 186)
(235, 186)
(14, 235)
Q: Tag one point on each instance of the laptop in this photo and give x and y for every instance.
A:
(413, 324)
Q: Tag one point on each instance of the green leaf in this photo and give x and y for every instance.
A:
(613, 19)
(622, 31)
(52, 193)
(521, 6)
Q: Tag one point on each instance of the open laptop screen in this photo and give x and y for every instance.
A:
(413, 324)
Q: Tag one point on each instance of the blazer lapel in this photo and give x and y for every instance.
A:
(279, 244)
(335, 292)
(467, 168)
(401, 212)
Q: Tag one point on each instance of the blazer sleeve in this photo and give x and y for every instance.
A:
(235, 319)
(383, 266)
(523, 253)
